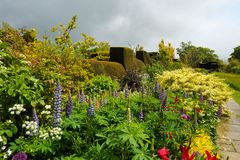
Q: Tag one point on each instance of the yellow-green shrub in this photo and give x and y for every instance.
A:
(189, 81)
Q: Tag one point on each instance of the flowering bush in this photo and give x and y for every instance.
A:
(192, 82)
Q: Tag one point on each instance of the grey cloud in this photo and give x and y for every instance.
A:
(212, 24)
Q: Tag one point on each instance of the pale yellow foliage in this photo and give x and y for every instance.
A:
(190, 81)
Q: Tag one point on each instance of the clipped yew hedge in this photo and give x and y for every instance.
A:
(126, 57)
(113, 69)
(144, 57)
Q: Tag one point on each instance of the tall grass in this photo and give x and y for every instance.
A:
(234, 82)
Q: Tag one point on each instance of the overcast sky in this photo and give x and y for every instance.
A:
(209, 23)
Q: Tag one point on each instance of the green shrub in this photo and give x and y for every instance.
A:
(126, 57)
(112, 69)
(99, 85)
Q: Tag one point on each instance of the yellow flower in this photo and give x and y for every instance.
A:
(201, 142)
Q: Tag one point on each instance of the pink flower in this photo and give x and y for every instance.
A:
(184, 116)
(162, 153)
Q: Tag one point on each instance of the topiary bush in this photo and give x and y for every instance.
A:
(144, 57)
(112, 69)
(126, 57)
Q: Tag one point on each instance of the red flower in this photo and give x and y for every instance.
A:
(176, 100)
(198, 110)
(162, 153)
(209, 157)
(185, 154)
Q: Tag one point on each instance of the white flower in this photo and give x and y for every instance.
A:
(23, 125)
(18, 112)
(12, 112)
(1, 139)
(3, 147)
(9, 121)
(48, 106)
(5, 156)
(28, 133)
(9, 152)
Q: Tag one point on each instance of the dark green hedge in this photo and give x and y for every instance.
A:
(126, 57)
(144, 57)
(113, 69)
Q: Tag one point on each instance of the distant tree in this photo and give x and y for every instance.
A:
(166, 52)
(236, 53)
(192, 55)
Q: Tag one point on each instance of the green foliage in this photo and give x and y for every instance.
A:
(192, 55)
(113, 69)
(236, 53)
(90, 48)
(18, 85)
(99, 85)
(234, 66)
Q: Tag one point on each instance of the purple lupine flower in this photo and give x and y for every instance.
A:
(185, 95)
(162, 95)
(90, 111)
(57, 106)
(114, 94)
(184, 116)
(69, 106)
(78, 96)
(164, 103)
(126, 92)
(157, 87)
(210, 102)
(20, 156)
(141, 116)
(35, 119)
(219, 112)
(82, 99)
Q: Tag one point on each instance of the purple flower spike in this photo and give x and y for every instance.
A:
(185, 95)
(219, 112)
(20, 156)
(157, 87)
(164, 103)
(78, 96)
(162, 95)
(201, 99)
(82, 99)
(69, 106)
(35, 118)
(90, 111)
(210, 102)
(57, 106)
(126, 93)
(141, 116)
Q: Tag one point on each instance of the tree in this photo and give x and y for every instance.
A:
(236, 53)
(192, 55)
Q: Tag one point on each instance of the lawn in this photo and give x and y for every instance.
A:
(234, 82)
